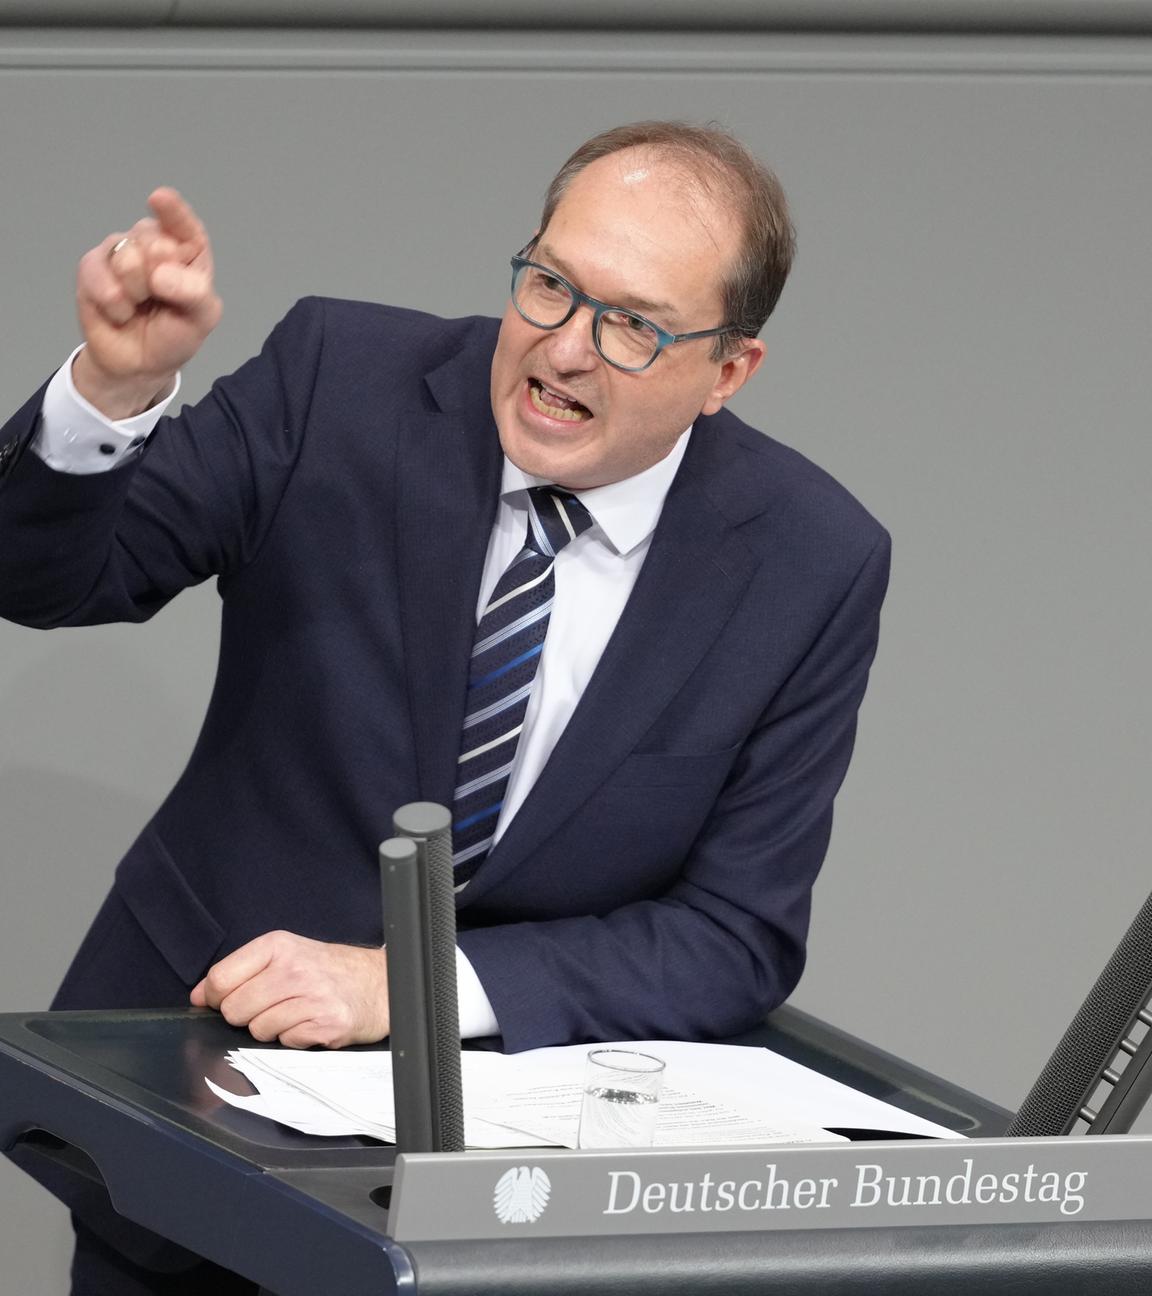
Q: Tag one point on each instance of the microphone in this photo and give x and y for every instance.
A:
(419, 903)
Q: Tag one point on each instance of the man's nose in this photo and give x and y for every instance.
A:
(570, 347)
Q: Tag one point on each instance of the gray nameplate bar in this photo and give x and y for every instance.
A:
(557, 1193)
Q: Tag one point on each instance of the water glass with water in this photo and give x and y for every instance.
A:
(621, 1099)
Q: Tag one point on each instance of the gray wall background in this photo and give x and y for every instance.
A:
(964, 344)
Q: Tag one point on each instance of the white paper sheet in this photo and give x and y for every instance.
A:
(684, 1119)
(715, 1094)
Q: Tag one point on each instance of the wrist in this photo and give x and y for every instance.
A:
(117, 397)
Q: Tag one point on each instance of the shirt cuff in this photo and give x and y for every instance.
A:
(476, 1015)
(74, 437)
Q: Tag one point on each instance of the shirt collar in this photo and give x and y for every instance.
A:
(625, 511)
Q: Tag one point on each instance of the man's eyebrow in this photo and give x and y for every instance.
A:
(663, 310)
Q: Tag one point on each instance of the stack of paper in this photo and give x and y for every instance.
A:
(349, 1093)
(714, 1094)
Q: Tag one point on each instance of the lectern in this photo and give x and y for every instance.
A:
(120, 1097)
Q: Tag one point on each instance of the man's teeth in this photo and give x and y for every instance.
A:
(542, 398)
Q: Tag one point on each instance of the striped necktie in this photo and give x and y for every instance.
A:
(509, 641)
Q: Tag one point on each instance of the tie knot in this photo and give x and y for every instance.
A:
(555, 517)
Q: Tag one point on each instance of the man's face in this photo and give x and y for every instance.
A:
(629, 231)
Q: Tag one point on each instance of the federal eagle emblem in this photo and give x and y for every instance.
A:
(521, 1195)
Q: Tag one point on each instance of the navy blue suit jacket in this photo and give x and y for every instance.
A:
(342, 487)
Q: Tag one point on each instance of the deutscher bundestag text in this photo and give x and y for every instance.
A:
(871, 1188)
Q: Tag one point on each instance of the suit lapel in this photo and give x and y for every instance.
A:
(693, 577)
(448, 489)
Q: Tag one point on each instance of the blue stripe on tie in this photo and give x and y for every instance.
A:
(516, 661)
(483, 814)
(513, 627)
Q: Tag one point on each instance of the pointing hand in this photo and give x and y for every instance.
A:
(146, 303)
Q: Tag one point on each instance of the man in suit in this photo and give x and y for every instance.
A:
(662, 802)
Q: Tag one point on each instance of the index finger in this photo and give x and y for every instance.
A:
(176, 217)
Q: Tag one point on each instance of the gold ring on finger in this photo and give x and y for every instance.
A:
(119, 246)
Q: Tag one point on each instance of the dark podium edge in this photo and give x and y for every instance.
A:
(119, 1096)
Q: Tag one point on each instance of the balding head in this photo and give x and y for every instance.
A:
(716, 168)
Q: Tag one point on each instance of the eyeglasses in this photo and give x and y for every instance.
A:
(626, 340)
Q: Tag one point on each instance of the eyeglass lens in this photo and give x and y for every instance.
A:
(543, 299)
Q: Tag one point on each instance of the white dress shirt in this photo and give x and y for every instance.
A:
(594, 575)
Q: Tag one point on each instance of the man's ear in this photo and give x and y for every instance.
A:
(734, 373)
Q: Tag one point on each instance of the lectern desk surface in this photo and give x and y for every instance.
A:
(121, 1095)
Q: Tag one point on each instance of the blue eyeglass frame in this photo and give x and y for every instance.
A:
(599, 309)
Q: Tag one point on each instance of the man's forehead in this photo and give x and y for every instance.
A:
(668, 294)
(670, 222)
(659, 307)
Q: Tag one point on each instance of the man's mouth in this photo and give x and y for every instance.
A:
(555, 405)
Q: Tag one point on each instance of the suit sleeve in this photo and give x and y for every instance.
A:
(196, 502)
(725, 943)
